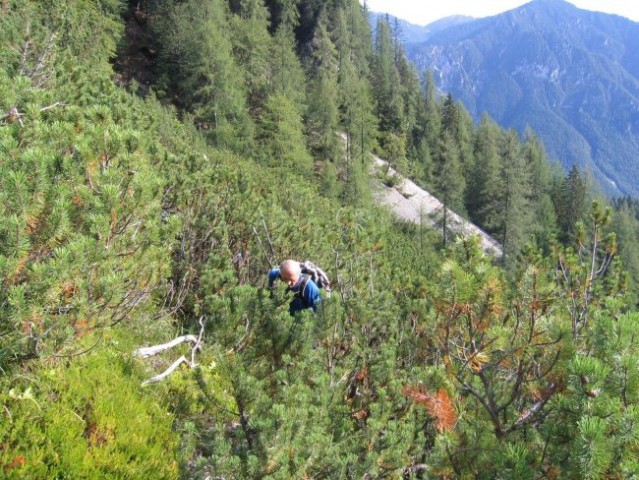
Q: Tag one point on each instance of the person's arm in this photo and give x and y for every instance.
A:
(273, 275)
(312, 295)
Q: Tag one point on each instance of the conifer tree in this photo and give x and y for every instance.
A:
(206, 78)
(287, 74)
(284, 14)
(282, 136)
(431, 120)
(361, 38)
(395, 153)
(356, 107)
(323, 96)
(386, 81)
(625, 224)
(410, 90)
(545, 219)
(516, 225)
(424, 135)
(502, 351)
(450, 184)
(450, 117)
(486, 179)
(252, 48)
(587, 274)
(569, 198)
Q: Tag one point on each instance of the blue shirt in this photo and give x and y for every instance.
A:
(308, 298)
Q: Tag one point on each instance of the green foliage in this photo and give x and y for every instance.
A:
(424, 363)
(79, 221)
(282, 131)
(569, 198)
(63, 420)
(587, 274)
(205, 79)
(323, 98)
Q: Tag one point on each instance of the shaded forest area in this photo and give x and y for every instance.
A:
(137, 208)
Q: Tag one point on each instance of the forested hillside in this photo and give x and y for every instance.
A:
(157, 157)
(570, 74)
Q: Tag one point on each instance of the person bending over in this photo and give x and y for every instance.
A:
(305, 291)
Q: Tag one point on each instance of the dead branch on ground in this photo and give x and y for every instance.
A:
(146, 352)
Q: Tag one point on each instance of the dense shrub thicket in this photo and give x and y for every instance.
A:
(127, 219)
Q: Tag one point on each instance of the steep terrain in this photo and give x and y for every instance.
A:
(135, 63)
(410, 202)
(570, 74)
(136, 57)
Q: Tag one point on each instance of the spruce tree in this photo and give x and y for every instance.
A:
(323, 96)
(252, 49)
(205, 79)
(450, 184)
(516, 225)
(569, 198)
(386, 81)
(486, 180)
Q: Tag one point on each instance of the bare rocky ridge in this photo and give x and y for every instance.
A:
(411, 203)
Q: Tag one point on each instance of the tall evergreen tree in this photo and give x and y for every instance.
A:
(569, 198)
(252, 48)
(284, 14)
(423, 140)
(449, 180)
(486, 180)
(431, 119)
(282, 142)
(386, 81)
(410, 90)
(356, 107)
(450, 118)
(206, 79)
(545, 219)
(323, 96)
(287, 74)
(516, 225)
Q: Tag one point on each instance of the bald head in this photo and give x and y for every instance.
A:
(290, 271)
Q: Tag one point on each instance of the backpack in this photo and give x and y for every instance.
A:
(317, 275)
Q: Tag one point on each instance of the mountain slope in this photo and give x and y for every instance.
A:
(411, 33)
(570, 74)
(409, 202)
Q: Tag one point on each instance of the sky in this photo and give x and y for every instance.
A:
(423, 12)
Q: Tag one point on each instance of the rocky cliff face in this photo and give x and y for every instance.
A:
(570, 74)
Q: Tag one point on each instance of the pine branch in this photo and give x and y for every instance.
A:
(439, 406)
(56, 104)
(530, 413)
(25, 50)
(239, 346)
